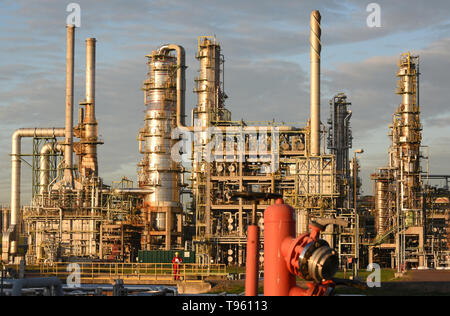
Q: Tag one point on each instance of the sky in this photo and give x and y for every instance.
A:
(266, 47)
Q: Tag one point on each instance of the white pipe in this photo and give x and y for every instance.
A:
(44, 165)
(316, 48)
(15, 180)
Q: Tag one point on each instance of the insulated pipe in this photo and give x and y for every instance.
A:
(316, 47)
(49, 283)
(181, 83)
(68, 150)
(44, 165)
(15, 176)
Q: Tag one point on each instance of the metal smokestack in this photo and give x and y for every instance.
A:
(68, 150)
(316, 47)
(90, 70)
(89, 165)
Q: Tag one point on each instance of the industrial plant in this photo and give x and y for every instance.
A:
(195, 179)
(412, 218)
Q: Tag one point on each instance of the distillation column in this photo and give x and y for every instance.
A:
(340, 141)
(398, 186)
(208, 83)
(409, 137)
(210, 108)
(158, 172)
(340, 138)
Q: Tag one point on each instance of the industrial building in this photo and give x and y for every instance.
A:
(412, 218)
(183, 199)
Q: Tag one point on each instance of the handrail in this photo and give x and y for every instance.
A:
(93, 270)
(379, 240)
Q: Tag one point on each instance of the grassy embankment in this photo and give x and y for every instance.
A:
(387, 277)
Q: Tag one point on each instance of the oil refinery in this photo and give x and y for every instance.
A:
(224, 193)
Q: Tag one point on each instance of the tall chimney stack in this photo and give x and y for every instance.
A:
(89, 165)
(316, 47)
(68, 150)
(90, 70)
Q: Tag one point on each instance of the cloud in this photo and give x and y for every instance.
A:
(370, 85)
(265, 46)
(286, 100)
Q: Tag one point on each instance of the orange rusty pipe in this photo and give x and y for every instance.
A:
(279, 226)
(252, 266)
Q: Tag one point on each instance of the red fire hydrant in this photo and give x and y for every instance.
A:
(286, 257)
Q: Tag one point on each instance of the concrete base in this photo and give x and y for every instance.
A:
(193, 287)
